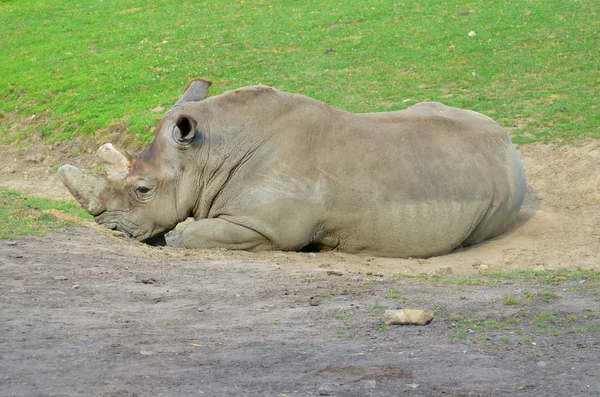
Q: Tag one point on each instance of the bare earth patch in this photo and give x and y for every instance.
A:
(85, 312)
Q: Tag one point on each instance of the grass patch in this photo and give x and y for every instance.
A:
(510, 301)
(341, 315)
(550, 277)
(345, 334)
(78, 68)
(487, 328)
(22, 216)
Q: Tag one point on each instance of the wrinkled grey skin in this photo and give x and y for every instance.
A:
(260, 169)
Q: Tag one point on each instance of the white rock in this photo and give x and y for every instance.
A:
(407, 317)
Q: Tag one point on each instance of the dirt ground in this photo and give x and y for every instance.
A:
(85, 312)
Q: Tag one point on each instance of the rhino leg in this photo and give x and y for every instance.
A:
(219, 233)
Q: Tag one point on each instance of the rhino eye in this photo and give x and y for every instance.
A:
(142, 190)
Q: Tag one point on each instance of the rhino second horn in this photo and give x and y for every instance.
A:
(196, 91)
(85, 187)
(116, 161)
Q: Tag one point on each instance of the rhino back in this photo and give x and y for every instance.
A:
(417, 182)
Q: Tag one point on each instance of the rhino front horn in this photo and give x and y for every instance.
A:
(85, 187)
(116, 161)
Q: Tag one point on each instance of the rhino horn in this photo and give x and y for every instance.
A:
(197, 90)
(116, 162)
(85, 187)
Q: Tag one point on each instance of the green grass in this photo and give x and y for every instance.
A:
(342, 316)
(551, 277)
(22, 216)
(488, 328)
(510, 301)
(76, 69)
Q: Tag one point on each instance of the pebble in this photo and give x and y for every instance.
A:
(541, 364)
(340, 299)
(472, 34)
(445, 270)
(76, 286)
(60, 278)
(326, 389)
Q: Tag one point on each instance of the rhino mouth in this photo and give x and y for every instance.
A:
(110, 221)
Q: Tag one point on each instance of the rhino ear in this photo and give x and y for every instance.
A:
(184, 131)
(197, 90)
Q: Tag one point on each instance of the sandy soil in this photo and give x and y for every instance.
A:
(85, 312)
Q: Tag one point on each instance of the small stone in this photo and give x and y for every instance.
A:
(407, 317)
(581, 281)
(142, 280)
(158, 109)
(370, 383)
(60, 278)
(76, 286)
(334, 273)
(340, 299)
(326, 389)
(445, 270)
(11, 243)
(19, 277)
(423, 261)
(412, 385)
(541, 364)
(484, 267)
(472, 34)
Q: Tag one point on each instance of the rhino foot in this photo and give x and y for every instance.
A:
(219, 233)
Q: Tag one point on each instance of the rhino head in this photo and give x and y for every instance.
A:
(140, 195)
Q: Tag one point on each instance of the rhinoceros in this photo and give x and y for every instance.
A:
(260, 169)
